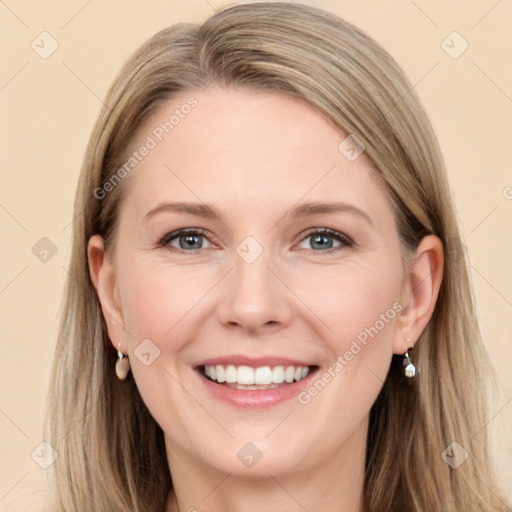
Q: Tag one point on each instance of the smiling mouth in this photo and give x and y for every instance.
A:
(260, 378)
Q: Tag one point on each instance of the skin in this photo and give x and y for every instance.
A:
(253, 156)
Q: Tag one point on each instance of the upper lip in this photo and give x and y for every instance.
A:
(254, 362)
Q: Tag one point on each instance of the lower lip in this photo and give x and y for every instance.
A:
(256, 398)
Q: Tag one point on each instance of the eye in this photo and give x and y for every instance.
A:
(192, 240)
(322, 240)
(184, 240)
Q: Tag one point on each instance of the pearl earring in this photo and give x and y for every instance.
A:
(122, 364)
(410, 370)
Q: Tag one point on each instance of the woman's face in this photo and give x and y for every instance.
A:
(291, 270)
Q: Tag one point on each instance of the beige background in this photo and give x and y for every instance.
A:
(48, 108)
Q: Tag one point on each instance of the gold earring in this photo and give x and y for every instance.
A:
(122, 364)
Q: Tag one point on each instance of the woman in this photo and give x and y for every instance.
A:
(262, 306)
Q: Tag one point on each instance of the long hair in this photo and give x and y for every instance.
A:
(111, 451)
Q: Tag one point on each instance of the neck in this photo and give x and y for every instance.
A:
(335, 485)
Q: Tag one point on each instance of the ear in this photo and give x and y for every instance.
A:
(103, 277)
(419, 292)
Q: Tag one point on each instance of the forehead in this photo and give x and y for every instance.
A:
(244, 147)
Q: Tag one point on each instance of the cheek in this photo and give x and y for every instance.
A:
(159, 303)
(156, 299)
(359, 305)
(354, 298)
(342, 393)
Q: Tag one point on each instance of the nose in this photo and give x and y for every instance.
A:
(255, 298)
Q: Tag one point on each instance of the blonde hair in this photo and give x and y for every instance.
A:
(111, 451)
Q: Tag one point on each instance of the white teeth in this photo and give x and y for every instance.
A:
(230, 373)
(245, 375)
(221, 373)
(263, 377)
(278, 374)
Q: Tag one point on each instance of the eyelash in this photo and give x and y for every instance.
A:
(340, 237)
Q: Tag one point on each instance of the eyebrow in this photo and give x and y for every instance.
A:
(303, 210)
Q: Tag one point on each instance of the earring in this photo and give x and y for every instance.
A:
(122, 364)
(410, 370)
